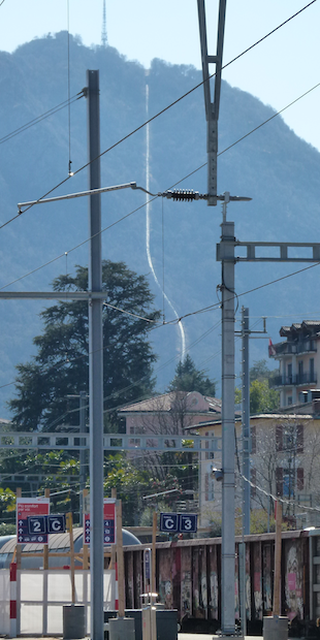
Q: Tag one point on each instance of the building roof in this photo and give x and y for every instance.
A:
(4, 422)
(306, 327)
(259, 416)
(169, 401)
(57, 542)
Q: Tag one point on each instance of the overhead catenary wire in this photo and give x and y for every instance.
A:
(206, 309)
(262, 285)
(128, 387)
(162, 111)
(31, 272)
(276, 498)
(43, 116)
(155, 197)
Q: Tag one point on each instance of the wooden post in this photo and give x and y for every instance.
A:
(46, 546)
(18, 546)
(70, 529)
(120, 560)
(153, 556)
(277, 562)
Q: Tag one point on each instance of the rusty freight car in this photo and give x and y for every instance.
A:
(188, 574)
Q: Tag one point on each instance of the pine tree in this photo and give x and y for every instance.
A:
(61, 366)
(189, 378)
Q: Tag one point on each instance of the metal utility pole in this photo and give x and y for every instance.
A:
(245, 397)
(228, 442)
(245, 420)
(245, 334)
(226, 254)
(83, 452)
(95, 363)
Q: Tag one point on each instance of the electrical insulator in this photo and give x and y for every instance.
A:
(182, 194)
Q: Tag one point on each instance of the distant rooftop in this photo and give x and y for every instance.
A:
(307, 327)
(194, 402)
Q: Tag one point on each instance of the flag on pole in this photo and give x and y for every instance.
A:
(271, 349)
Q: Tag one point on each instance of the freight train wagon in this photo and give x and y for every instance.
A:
(188, 575)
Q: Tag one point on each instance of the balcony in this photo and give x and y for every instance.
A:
(294, 348)
(295, 381)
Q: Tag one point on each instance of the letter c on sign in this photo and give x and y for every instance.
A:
(55, 525)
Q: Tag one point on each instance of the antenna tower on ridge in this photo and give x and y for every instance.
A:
(104, 37)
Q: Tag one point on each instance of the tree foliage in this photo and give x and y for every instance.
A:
(263, 398)
(133, 483)
(189, 378)
(260, 371)
(61, 366)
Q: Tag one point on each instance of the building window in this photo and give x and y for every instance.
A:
(289, 481)
(289, 400)
(279, 431)
(254, 439)
(253, 477)
(300, 479)
(311, 370)
(279, 481)
(290, 438)
(208, 487)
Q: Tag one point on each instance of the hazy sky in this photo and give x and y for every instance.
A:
(277, 71)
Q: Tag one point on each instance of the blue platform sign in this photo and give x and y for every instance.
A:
(169, 522)
(37, 525)
(188, 522)
(56, 524)
(178, 522)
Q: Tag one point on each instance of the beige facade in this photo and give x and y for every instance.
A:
(284, 460)
(170, 413)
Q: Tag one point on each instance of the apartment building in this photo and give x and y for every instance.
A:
(299, 362)
(284, 462)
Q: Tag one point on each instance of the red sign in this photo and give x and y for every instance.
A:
(27, 507)
(109, 522)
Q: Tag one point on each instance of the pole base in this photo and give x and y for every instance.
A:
(275, 628)
(120, 628)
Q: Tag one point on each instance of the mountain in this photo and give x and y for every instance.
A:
(273, 166)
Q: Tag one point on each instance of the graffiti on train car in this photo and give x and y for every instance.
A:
(294, 582)
(267, 590)
(189, 577)
(186, 582)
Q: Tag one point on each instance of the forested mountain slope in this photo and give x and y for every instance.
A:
(273, 166)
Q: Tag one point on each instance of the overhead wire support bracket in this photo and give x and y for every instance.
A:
(212, 107)
(80, 194)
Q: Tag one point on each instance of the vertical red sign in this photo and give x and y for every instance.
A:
(25, 508)
(109, 522)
